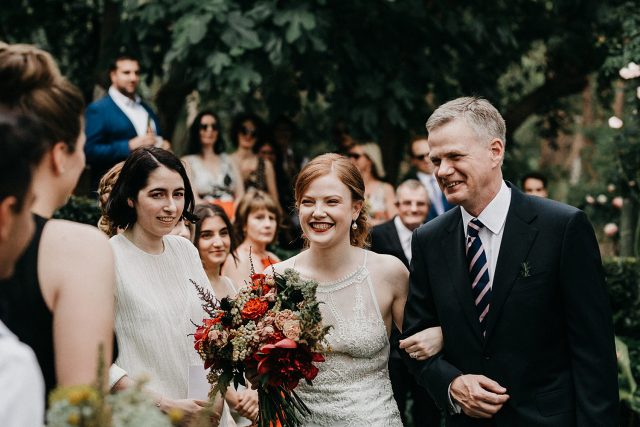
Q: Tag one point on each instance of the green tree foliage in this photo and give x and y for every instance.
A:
(381, 66)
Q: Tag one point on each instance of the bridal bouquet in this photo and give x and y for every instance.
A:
(274, 327)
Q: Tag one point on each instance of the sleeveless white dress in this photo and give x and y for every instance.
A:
(353, 386)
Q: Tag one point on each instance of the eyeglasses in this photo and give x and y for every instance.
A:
(247, 132)
(205, 126)
(354, 156)
(420, 156)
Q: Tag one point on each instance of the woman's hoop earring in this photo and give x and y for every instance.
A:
(354, 225)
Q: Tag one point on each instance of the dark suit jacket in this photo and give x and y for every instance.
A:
(549, 337)
(413, 174)
(385, 240)
(108, 131)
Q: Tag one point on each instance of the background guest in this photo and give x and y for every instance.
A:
(21, 384)
(215, 177)
(394, 238)
(379, 194)
(119, 122)
(422, 170)
(535, 183)
(256, 225)
(60, 299)
(247, 130)
(215, 241)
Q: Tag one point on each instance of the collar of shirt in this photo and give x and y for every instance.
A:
(119, 98)
(495, 214)
(404, 234)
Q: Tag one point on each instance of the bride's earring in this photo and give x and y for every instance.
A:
(354, 225)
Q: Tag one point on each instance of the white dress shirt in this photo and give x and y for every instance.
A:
(134, 110)
(21, 383)
(493, 217)
(433, 189)
(404, 234)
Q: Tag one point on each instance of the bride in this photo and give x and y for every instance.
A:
(362, 294)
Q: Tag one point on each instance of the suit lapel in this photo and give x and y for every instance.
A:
(124, 118)
(394, 241)
(517, 239)
(454, 254)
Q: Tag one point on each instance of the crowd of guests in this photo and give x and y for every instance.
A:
(210, 217)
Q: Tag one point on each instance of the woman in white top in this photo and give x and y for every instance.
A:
(215, 241)
(155, 300)
(215, 178)
(361, 292)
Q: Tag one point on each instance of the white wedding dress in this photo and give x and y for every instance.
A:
(352, 387)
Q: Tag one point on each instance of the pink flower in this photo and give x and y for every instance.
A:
(291, 329)
(610, 229)
(617, 202)
(589, 199)
(283, 316)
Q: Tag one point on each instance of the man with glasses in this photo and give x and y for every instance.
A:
(120, 122)
(422, 170)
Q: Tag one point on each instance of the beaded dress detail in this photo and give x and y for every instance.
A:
(352, 387)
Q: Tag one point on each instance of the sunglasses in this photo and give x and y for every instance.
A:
(248, 132)
(205, 126)
(354, 156)
(420, 156)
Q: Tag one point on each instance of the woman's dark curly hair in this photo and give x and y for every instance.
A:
(236, 125)
(134, 176)
(194, 145)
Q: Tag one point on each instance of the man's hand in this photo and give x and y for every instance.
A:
(479, 396)
(141, 141)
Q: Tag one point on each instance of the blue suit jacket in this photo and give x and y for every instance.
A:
(108, 131)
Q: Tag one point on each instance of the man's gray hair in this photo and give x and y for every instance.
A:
(413, 184)
(478, 113)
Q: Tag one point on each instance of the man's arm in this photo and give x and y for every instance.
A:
(589, 325)
(98, 148)
(435, 374)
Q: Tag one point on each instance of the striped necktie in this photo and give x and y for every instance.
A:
(478, 272)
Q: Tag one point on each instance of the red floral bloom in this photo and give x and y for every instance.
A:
(285, 363)
(258, 283)
(254, 309)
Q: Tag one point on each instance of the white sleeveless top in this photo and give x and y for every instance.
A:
(353, 386)
(221, 185)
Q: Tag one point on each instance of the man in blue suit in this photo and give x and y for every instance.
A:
(119, 122)
(422, 170)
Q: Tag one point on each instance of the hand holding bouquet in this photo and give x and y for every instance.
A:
(273, 326)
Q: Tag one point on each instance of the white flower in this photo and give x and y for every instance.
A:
(602, 199)
(611, 188)
(589, 199)
(615, 122)
(638, 92)
(632, 183)
(610, 229)
(617, 202)
(631, 71)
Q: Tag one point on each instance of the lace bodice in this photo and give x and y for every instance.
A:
(352, 387)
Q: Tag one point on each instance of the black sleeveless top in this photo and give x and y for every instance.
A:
(24, 311)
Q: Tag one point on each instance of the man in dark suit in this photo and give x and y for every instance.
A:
(517, 285)
(394, 238)
(119, 122)
(422, 170)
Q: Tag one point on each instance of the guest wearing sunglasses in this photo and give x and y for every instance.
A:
(379, 195)
(247, 130)
(215, 177)
(422, 170)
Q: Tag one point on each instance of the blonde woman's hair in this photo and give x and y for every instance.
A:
(373, 153)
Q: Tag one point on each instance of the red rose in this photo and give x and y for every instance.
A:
(254, 309)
